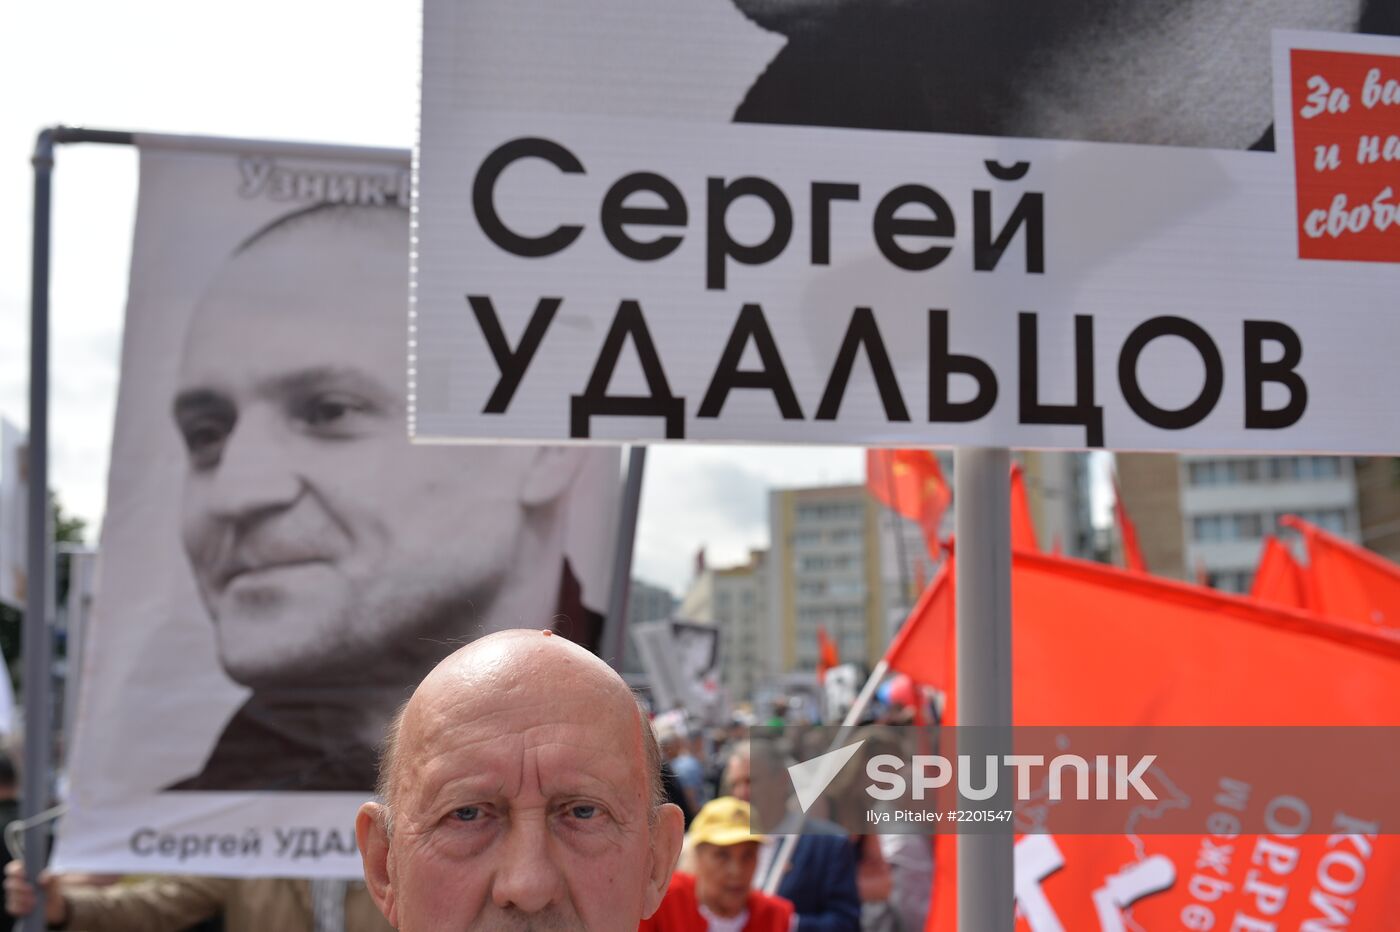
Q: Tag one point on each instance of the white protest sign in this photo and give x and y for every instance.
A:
(603, 255)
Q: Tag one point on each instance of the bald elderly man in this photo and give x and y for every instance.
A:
(520, 789)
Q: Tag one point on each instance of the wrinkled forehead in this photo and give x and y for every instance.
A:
(500, 703)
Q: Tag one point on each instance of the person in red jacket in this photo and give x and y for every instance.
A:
(718, 896)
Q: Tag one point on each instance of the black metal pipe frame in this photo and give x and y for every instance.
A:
(36, 777)
(612, 645)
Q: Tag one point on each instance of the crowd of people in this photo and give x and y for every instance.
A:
(524, 786)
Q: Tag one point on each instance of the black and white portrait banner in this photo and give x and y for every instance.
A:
(279, 564)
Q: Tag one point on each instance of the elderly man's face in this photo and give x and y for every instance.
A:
(320, 538)
(521, 801)
(724, 875)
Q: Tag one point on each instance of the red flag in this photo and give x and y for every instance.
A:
(1093, 645)
(1023, 535)
(1132, 553)
(911, 483)
(1278, 580)
(1348, 582)
(827, 656)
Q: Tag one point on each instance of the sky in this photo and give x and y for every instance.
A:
(309, 71)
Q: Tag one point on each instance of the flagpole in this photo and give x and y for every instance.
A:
(983, 521)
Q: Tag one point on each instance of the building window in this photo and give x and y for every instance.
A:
(830, 511)
(1214, 528)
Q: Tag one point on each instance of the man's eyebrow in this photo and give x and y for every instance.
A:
(478, 786)
(316, 378)
(194, 401)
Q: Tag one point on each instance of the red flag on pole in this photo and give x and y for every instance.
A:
(1345, 581)
(827, 655)
(1278, 580)
(1023, 536)
(1093, 645)
(1127, 531)
(911, 483)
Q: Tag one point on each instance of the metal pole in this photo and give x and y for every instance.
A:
(35, 781)
(38, 647)
(614, 639)
(983, 516)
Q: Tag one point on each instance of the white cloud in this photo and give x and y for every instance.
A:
(717, 497)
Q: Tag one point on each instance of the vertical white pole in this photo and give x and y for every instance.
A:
(982, 498)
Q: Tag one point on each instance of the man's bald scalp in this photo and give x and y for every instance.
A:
(389, 763)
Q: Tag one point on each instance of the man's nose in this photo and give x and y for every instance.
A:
(254, 473)
(527, 878)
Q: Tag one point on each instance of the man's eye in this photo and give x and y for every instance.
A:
(202, 436)
(327, 410)
(583, 811)
(204, 441)
(467, 814)
(331, 412)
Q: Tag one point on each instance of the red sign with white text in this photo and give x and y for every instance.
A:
(1346, 147)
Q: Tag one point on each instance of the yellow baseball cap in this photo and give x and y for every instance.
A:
(723, 821)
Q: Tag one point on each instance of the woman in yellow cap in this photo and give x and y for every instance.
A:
(718, 896)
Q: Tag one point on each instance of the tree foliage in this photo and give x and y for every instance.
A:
(68, 529)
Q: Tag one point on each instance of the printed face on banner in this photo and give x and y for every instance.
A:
(324, 544)
(1058, 225)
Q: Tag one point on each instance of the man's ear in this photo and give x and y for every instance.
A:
(667, 832)
(373, 838)
(549, 473)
